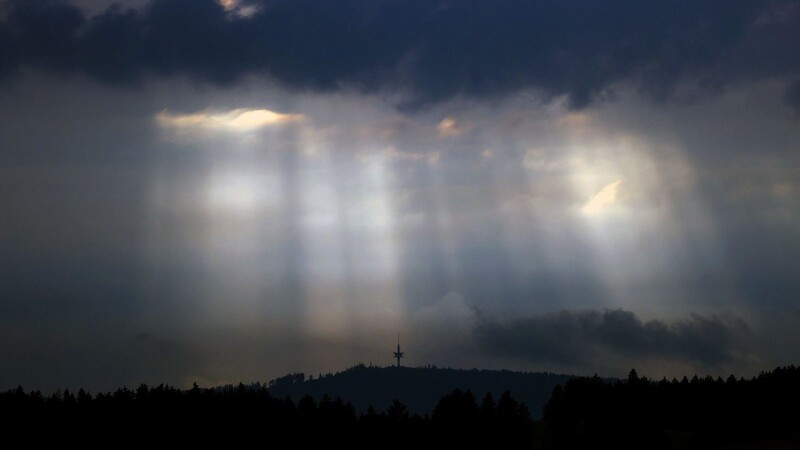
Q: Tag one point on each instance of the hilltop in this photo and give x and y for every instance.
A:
(419, 388)
(583, 412)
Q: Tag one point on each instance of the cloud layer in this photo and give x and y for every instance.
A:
(228, 191)
(587, 337)
(238, 120)
(427, 51)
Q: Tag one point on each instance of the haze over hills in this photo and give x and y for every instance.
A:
(419, 388)
(225, 190)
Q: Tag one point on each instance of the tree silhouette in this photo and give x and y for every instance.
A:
(234, 416)
(586, 412)
(703, 412)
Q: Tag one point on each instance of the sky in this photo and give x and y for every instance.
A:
(225, 191)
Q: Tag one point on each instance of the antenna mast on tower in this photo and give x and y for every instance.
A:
(398, 354)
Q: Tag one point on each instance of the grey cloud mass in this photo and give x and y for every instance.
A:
(427, 50)
(587, 337)
(191, 191)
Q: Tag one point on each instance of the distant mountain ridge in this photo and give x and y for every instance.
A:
(419, 388)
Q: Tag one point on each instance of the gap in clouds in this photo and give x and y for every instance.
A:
(256, 209)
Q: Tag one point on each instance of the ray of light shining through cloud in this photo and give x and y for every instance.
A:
(234, 190)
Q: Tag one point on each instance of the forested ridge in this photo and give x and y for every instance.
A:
(584, 412)
(420, 388)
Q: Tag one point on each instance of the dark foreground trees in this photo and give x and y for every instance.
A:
(698, 413)
(243, 415)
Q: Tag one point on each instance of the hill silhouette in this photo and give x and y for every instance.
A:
(420, 388)
(585, 412)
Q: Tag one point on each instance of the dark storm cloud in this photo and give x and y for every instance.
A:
(584, 337)
(431, 49)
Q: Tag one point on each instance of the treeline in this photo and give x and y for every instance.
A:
(243, 415)
(587, 412)
(669, 414)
